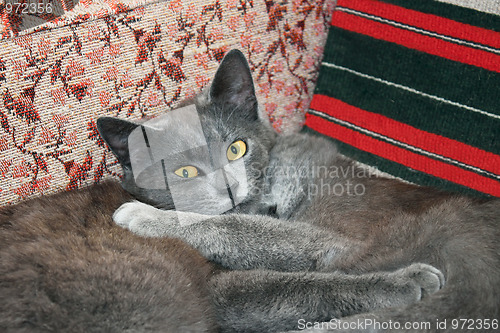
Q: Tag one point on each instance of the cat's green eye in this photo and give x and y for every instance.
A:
(236, 150)
(187, 171)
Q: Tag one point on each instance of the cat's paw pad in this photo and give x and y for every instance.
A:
(427, 278)
(143, 219)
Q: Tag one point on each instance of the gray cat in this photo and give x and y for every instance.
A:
(297, 217)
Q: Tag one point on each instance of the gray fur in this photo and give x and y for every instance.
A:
(297, 223)
(66, 267)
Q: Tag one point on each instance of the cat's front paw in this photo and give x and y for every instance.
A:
(145, 220)
(425, 279)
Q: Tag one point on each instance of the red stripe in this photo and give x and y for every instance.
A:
(404, 157)
(425, 21)
(413, 40)
(401, 132)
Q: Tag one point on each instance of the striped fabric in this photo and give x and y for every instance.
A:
(413, 88)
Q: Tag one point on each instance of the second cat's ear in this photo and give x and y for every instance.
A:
(233, 82)
(115, 133)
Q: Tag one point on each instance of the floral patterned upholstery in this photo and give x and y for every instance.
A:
(135, 59)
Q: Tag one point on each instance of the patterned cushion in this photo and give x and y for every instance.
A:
(134, 59)
(412, 88)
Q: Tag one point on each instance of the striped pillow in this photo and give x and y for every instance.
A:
(413, 88)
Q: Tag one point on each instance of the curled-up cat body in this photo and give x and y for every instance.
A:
(66, 267)
(249, 199)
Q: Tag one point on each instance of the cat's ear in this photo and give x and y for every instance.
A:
(115, 133)
(233, 82)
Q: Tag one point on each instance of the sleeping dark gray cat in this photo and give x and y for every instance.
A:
(293, 205)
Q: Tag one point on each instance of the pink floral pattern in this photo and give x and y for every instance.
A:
(136, 59)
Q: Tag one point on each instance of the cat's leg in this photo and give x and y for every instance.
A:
(268, 301)
(238, 241)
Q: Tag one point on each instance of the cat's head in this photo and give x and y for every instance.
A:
(207, 157)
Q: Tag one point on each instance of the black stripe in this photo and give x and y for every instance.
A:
(228, 188)
(165, 176)
(146, 140)
(145, 136)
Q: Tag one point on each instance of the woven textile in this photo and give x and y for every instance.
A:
(412, 88)
(136, 59)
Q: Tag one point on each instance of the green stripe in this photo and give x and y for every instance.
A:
(458, 82)
(415, 110)
(398, 170)
(452, 12)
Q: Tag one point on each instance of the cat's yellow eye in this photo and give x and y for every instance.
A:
(236, 150)
(187, 171)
